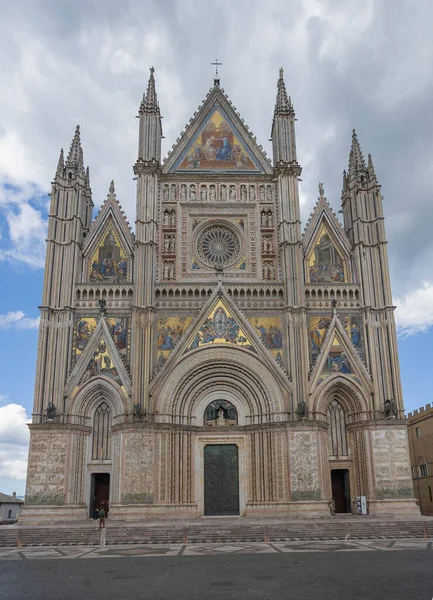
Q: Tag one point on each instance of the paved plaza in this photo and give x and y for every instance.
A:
(211, 549)
(368, 569)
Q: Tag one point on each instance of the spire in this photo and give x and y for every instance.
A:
(283, 104)
(61, 163)
(149, 103)
(356, 158)
(370, 169)
(75, 150)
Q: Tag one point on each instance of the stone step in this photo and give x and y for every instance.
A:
(203, 532)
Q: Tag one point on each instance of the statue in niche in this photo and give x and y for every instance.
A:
(269, 193)
(183, 192)
(232, 193)
(221, 413)
(172, 244)
(173, 192)
(165, 271)
(166, 244)
(166, 218)
(102, 306)
(51, 412)
(212, 193)
(192, 195)
(173, 218)
(137, 411)
(165, 193)
(252, 193)
(262, 193)
(203, 193)
(390, 408)
(223, 193)
(243, 193)
(263, 221)
(269, 219)
(302, 410)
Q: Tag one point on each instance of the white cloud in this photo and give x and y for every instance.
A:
(414, 312)
(14, 442)
(17, 320)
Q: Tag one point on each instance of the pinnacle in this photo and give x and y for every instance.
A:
(356, 158)
(111, 190)
(61, 163)
(150, 100)
(75, 155)
(344, 188)
(370, 168)
(283, 104)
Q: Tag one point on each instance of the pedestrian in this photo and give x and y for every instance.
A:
(95, 518)
(101, 519)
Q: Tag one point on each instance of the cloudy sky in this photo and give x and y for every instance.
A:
(366, 64)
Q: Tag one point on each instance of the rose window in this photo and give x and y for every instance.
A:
(218, 246)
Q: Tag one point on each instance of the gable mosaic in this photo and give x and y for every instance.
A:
(325, 263)
(220, 327)
(117, 326)
(109, 261)
(218, 146)
(101, 364)
(318, 327)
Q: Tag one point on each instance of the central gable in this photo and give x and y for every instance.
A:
(217, 146)
(217, 141)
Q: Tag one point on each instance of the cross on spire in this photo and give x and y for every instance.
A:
(216, 64)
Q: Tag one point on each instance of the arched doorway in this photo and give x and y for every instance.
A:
(339, 457)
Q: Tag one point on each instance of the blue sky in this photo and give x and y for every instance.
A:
(359, 63)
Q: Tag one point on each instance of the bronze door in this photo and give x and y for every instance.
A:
(221, 480)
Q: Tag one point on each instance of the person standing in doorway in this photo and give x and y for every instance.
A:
(95, 518)
(102, 519)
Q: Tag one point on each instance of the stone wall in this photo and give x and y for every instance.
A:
(46, 470)
(138, 467)
(304, 466)
(391, 464)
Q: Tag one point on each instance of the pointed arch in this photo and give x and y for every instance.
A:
(87, 398)
(351, 396)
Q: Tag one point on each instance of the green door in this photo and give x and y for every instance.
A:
(221, 480)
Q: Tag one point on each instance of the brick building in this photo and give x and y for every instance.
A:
(420, 434)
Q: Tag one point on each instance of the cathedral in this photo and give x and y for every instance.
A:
(220, 359)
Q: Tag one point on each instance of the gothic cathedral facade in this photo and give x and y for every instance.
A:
(218, 360)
